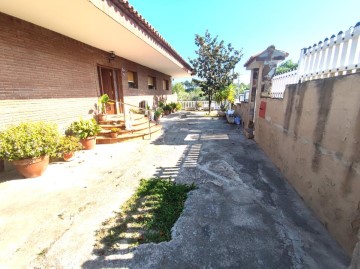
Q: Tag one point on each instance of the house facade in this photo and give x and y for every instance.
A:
(57, 57)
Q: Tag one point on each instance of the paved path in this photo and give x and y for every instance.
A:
(243, 214)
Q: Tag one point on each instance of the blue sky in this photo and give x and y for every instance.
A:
(249, 25)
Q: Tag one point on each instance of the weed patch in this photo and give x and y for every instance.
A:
(147, 216)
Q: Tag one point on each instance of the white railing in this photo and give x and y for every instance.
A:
(338, 55)
(280, 81)
(193, 105)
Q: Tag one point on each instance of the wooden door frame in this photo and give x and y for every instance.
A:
(117, 84)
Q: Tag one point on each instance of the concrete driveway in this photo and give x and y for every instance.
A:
(242, 215)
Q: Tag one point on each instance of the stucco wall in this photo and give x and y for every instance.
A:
(313, 136)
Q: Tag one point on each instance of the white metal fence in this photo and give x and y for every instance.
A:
(338, 55)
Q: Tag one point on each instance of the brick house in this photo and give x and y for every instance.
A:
(57, 57)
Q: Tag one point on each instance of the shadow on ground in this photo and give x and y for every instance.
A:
(243, 215)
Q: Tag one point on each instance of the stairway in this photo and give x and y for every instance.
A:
(140, 129)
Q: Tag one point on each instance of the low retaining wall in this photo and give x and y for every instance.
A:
(242, 109)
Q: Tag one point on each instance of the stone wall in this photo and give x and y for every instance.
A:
(313, 136)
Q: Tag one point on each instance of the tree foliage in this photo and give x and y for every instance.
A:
(178, 88)
(189, 85)
(241, 88)
(214, 64)
(188, 91)
(225, 94)
(286, 67)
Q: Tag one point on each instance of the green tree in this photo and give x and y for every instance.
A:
(214, 64)
(241, 88)
(286, 67)
(189, 85)
(196, 94)
(225, 94)
(178, 87)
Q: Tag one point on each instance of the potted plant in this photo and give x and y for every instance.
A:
(161, 104)
(114, 132)
(67, 147)
(102, 102)
(173, 107)
(157, 114)
(86, 131)
(199, 105)
(29, 145)
(167, 109)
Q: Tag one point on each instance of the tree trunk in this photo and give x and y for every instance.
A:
(209, 104)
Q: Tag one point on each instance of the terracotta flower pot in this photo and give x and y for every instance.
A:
(33, 167)
(68, 156)
(88, 143)
(113, 135)
(101, 117)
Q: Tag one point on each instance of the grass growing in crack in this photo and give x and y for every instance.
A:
(147, 216)
(43, 252)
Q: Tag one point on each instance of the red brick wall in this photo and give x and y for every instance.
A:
(36, 63)
(143, 73)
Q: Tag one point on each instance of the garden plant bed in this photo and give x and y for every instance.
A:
(146, 217)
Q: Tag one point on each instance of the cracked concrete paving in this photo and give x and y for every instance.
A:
(242, 215)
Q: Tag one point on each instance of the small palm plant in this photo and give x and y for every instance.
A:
(102, 102)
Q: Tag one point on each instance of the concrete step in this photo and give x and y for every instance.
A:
(143, 125)
(129, 135)
(119, 118)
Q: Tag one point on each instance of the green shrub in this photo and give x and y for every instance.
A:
(102, 102)
(161, 104)
(158, 113)
(172, 105)
(167, 108)
(178, 106)
(83, 128)
(68, 144)
(29, 140)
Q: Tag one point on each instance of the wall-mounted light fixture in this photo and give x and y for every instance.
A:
(111, 56)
